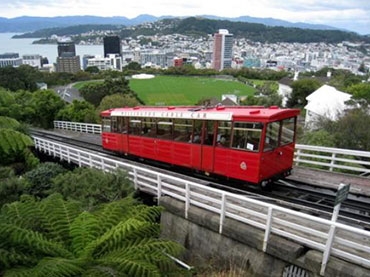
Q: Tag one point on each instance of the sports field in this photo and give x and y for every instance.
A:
(172, 90)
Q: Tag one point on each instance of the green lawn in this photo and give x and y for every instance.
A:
(170, 90)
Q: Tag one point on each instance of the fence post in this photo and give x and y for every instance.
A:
(332, 162)
(187, 199)
(268, 229)
(159, 189)
(135, 179)
(222, 212)
(298, 156)
(342, 194)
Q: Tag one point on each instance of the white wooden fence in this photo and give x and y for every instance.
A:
(339, 240)
(326, 158)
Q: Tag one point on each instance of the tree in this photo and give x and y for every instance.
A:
(133, 66)
(351, 130)
(92, 69)
(6, 102)
(301, 89)
(22, 78)
(15, 146)
(46, 105)
(11, 186)
(54, 237)
(38, 181)
(95, 92)
(78, 111)
(117, 101)
(92, 186)
(360, 94)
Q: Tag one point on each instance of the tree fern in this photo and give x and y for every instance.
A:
(9, 123)
(13, 141)
(58, 240)
(24, 213)
(83, 231)
(54, 267)
(58, 216)
(31, 241)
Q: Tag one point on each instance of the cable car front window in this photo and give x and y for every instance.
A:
(272, 136)
(288, 131)
(106, 124)
(247, 135)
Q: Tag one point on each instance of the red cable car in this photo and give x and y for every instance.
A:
(253, 144)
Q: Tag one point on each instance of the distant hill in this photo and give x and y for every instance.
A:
(30, 24)
(198, 26)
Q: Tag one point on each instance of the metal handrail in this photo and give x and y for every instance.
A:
(305, 229)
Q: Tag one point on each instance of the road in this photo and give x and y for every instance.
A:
(68, 93)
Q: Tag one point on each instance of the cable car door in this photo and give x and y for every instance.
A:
(207, 151)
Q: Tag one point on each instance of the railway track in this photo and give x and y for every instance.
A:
(310, 199)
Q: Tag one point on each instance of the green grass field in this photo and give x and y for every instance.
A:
(172, 90)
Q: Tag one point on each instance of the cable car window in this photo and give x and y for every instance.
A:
(135, 126)
(148, 127)
(122, 125)
(165, 127)
(197, 132)
(182, 129)
(272, 136)
(223, 133)
(247, 136)
(114, 124)
(209, 128)
(106, 124)
(287, 131)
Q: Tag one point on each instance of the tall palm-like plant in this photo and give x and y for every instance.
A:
(53, 237)
(14, 145)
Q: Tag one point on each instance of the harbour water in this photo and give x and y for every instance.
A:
(24, 46)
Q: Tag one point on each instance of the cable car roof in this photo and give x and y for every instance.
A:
(205, 113)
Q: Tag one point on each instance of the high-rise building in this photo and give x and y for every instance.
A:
(10, 59)
(112, 45)
(67, 61)
(222, 50)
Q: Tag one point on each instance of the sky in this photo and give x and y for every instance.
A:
(352, 15)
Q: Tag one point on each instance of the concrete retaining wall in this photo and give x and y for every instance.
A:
(240, 245)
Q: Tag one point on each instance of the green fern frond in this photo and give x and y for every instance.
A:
(103, 271)
(59, 215)
(9, 123)
(146, 213)
(24, 213)
(31, 241)
(13, 141)
(132, 267)
(19, 272)
(11, 257)
(83, 230)
(150, 250)
(109, 215)
(58, 267)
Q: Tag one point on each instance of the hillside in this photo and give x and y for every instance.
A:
(197, 26)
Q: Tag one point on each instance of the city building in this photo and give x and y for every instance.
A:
(112, 45)
(10, 59)
(67, 61)
(222, 50)
(85, 60)
(33, 60)
(111, 62)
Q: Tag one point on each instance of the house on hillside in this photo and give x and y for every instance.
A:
(325, 102)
